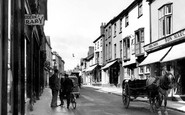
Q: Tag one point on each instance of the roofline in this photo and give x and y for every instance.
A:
(98, 38)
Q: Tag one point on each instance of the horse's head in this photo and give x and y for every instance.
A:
(168, 81)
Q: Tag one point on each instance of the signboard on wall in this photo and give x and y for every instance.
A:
(34, 19)
(174, 37)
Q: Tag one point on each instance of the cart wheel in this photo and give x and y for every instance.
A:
(126, 96)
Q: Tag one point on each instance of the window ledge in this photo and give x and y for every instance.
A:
(140, 16)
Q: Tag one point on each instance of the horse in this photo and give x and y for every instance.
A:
(157, 89)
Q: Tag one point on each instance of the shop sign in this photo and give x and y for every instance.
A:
(34, 19)
(176, 36)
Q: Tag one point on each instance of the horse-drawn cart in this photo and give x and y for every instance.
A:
(156, 89)
(131, 89)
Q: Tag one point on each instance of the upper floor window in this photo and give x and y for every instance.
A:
(95, 46)
(165, 20)
(109, 33)
(110, 51)
(98, 45)
(121, 47)
(115, 29)
(126, 21)
(106, 34)
(101, 43)
(114, 51)
(139, 42)
(140, 9)
(126, 48)
(120, 25)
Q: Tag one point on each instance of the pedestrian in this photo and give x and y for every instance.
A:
(54, 83)
(68, 87)
(62, 93)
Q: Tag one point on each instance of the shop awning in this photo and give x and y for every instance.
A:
(154, 57)
(177, 52)
(108, 65)
(91, 68)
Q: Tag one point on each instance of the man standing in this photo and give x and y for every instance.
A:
(68, 87)
(62, 93)
(54, 83)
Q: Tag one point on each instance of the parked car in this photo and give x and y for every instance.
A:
(76, 89)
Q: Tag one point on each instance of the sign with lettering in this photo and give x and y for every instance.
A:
(34, 19)
(176, 36)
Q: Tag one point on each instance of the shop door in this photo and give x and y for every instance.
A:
(182, 72)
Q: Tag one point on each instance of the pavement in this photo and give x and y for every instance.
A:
(42, 106)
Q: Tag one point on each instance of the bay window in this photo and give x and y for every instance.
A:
(165, 20)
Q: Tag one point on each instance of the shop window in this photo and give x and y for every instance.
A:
(165, 20)
(141, 70)
(147, 70)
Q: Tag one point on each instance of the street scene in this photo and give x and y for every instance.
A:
(92, 57)
(98, 101)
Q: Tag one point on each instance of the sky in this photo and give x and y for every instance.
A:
(73, 25)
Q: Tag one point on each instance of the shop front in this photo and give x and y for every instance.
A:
(168, 53)
(112, 72)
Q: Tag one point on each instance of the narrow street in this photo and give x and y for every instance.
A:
(94, 102)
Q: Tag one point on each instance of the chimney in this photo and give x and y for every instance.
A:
(102, 28)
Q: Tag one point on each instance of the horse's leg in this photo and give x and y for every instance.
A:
(165, 103)
(160, 97)
(150, 101)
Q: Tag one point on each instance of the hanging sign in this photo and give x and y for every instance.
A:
(34, 19)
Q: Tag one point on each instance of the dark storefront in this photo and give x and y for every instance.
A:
(20, 74)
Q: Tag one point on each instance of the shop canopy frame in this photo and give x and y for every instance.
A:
(155, 57)
(176, 52)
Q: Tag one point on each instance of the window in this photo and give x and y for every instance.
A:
(101, 43)
(126, 48)
(95, 46)
(115, 29)
(120, 25)
(141, 70)
(147, 69)
(114, 51)
(121, 49)
(140, 9)
(133, 46)
(126, 21)
(106, 52)
(165, 20)
(106, 34)
(98, 45)
(109, 33)
(110, 50)
(139, 42)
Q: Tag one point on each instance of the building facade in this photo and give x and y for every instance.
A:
(167, 41)
(90, 66)
(98, 56)
(58, 63)
(135, 34)
(20, 62)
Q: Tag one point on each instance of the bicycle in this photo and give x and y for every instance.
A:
(73, 100)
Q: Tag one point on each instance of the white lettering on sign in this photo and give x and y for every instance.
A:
(34, 19)
(171, 38)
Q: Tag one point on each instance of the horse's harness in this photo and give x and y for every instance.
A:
(162, 87)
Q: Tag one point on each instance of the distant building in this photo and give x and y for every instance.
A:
(58, 63)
